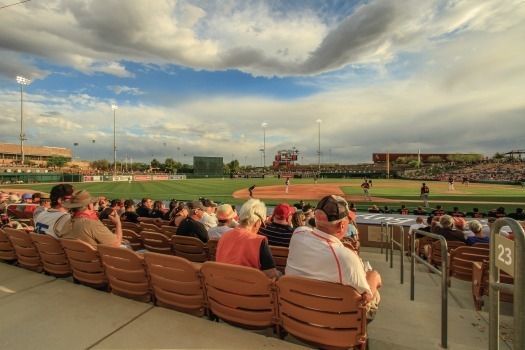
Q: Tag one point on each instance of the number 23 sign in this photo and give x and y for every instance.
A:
(505, 254)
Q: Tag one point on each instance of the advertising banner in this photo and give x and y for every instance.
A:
(120, 178)
(142, 177)
(177, 177)
(91, 178)
(160, 177)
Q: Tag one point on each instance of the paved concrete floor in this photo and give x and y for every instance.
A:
(41, 312)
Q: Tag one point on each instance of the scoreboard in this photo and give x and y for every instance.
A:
(286, 157)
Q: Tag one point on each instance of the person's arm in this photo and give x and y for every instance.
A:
(201, 232)
(118, 229)
(374, 281)
(266, 260)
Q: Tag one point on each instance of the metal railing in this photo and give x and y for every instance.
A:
(518, 288)
(384, 233)
(401, 246)
(444, 278)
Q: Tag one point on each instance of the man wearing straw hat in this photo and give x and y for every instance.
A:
(85, 224)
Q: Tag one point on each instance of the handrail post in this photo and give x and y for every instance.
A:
(382, 226)
(401, 246)
(387, 240)
(412, 263)
(444, 278)
(391, 234)
(444, 292)
(519, 285)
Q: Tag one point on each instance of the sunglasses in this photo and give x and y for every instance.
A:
(263, 223)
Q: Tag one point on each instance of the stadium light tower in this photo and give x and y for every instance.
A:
(22, 81)
(114, 108)
(264, 125)
(319, 121)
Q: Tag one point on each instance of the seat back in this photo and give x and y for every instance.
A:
(435, 258)
(156, 242)
(239, 295)
(52, 255)
(168, 231)
(25, 249)
(85, 262)
(131, 226)
(150, 227)
(126, 272)
(190, 248)
(462, 259)
(482, 245)
(480, 284)
(7, 251)
(280, 256)
(212, 249)
(323, 314)
(133, 238)
(176, 284)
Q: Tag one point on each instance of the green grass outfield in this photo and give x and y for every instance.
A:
(396, 192)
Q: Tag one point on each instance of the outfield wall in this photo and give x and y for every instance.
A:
(101, 178)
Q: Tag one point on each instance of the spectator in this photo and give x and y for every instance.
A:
(102, 204)
(27, 198)
(386, 210)
(129, 214)
(56, 220)
(456, 213)
(159, 211)
(35, 199)
(85, 224)
(209, 218)
(298, 219)
(319, 253)
(225, 215)
(446, 229)
(420, 223)
(279, 230)
(113, 207)
(144, 210)
(478, 237)
(45, 205)
(178, 214)
(243, 246)
(191, 226)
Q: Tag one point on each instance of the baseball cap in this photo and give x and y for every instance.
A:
(196, 204)
(128, 203)
(27, 196)
(283, 210)
(208, 203)
(331, 208)
(61, 191)
(460, 222)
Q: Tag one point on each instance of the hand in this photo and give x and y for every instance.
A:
(114, 218)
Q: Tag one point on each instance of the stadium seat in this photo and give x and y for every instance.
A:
(133, 238)
(239, 295)
(156, 242)
(176, 284)
(52, 255)
(150, 227)
(461, 260)
(131, 226)
(126, 272)
(25, 249)
(85, 263)
(190, 248)
(480, 284)
(7, 251)
(280, 256)
(212, 249)
(323, 314)
(168, 231)
(435, 251)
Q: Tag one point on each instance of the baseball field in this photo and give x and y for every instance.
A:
(392, 193)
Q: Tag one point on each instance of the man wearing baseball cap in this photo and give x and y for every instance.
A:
(85, 224)
(279, 231)
(190, 225)
(319, 254)
(55, 220)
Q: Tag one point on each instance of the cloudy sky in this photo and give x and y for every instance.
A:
(202, 76)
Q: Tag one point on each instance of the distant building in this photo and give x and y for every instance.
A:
(10, 153)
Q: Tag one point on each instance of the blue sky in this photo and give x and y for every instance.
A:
(440, 76)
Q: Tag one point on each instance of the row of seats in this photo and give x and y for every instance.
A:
(322, 314)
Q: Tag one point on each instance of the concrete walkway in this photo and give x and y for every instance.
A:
(42, 312)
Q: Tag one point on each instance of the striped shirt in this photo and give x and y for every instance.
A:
(277, 234)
